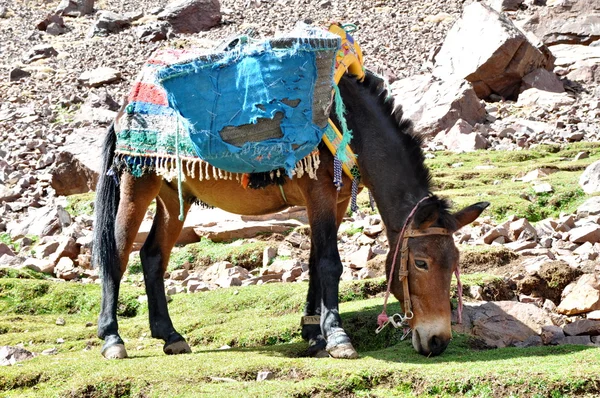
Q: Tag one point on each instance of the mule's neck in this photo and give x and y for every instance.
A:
(389, 158)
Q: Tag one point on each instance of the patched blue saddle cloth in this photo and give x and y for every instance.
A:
(260, 106)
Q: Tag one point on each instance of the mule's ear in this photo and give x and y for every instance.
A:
(469, 214)
(426, 215)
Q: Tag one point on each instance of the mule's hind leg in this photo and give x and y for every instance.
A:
(312, 331)
(155, 258)
(135, 197)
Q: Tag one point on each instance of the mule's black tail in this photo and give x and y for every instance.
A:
(104, 255)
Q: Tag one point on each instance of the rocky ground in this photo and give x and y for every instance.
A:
(52, 113)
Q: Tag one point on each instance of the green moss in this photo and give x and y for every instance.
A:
(81, 204)
(206, 252)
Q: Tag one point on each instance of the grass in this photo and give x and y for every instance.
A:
(261, 324)
(498, 185)
(81, 204)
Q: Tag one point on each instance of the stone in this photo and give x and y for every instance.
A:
(485, 48)
(575, 340)
(366, 273)
(215, 270)
(179, 274)
(436, 106)
(269, 253)
(542, 79)
(461, 138)
(226, 282)
(11, 355)
(360, 257)
(520, 245)
(593, 315)
(197, 286)
(192, 16)
(44, 221)
(504, 323)
(153, 31)
(55, 29)
(521, 229)
(40, 51)
(590, 179)
(505, 5)
(291, 275)
(100, 76)
(280, 266)
(242, 230)
(582, 326)
(60, 321)
(75, 8)
(590, 207)
(587, 233)
(542, 188)
(552, 334)
(531, 341)
(494, 234)
(581, 297)
(17, 74)
(70, 176)
(109, 22)
(50, 19)
(573, 22)
(65, 269)
(266, 375)
(39, 265)
(4, 249)
(538, 98)
(67, 247)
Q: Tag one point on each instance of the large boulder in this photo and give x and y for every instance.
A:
(487, 49)
(192, 16)
(75, 8)
(572, 22)
(582, 296)
(435, 105)
(590, 179)
(579, 63)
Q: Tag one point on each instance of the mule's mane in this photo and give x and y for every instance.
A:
(411, 141)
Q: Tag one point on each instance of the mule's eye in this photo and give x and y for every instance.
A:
(420, 264)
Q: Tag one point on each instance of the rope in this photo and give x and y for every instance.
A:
(340, 110)
(383, 318)
(337, 173)
(179, 173)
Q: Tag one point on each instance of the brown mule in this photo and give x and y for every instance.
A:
(391, 165)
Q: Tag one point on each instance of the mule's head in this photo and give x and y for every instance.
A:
(431, 260)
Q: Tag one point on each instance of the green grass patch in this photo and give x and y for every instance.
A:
(498, 185)
(81, 204)
(206, 252)
(261, 323)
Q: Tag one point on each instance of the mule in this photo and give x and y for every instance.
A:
(392, 167)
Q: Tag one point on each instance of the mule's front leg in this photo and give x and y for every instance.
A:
(155, 258)
(329, 269)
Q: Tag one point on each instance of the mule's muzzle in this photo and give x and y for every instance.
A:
(430, 346)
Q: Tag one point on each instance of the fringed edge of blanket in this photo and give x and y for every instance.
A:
(166, 166)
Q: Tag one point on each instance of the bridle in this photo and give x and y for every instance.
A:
(398, 320)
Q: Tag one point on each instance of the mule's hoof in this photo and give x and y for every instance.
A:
(344, 351)
(178, 347)
(116, 351)
(321, 354)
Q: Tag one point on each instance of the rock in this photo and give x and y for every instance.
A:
(226, 282)
(8, 195)
(574, 21)
(100, 76)
(531, 341)
(65, 269)
(55, 29)
(262, 376)
(586, 233)
(291, 275)
(38, 52)
(485, 48)
(553, 101)
(360, 258)
(593, 315)
(582, 326)
(521, 229)
(240, 230)
(542, 79)
(537, 174)
(575, 340)
(60, 321)
(582, 297)
(70, 176)
(192, 16)
(4, 249)
(197, 286)
(179, 274)
(281, 266)
(505, 5)
(436, 106)
(590, 179)
(39, 265)
(552, 334)
(11, 355)
(109, 22)
(366, 273)
(75, 8)
(67, 247)
(269, 253)
(494, 234)
(17, 74)
(461, 138)
(520, 245)
(542, 188)
(215, 270)
(590, 207)
(504, 323)
(153, 31)
(44, 221)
